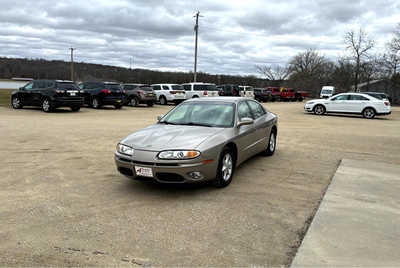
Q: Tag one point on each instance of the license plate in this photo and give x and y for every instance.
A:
(72, 93)
(150, 95)
(118, 100)
(144, 171)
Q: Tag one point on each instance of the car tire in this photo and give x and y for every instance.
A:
(319, 109)
(163, 100)
(133, 102)
(47, 106)
(75, 108)
(271, 146)
(368, 113)
(150, 103)
(226, 168)
(95, 103)
(16, 102)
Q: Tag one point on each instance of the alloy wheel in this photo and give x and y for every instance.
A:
(46, 105)
(272, 142)
(16, 103)
(319, 110)
(369, 113)
(227, 167)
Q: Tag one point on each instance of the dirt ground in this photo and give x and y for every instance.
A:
(64, 204)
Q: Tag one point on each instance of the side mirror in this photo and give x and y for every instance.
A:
(159, 117)
(245, 121)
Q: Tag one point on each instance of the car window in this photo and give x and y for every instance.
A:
(177, 87)
(202, 113)
(70, 86)
(198, 87)
(358, 97)
(187, 87)
(211, 87)
(157, 87)
(341, 97)
(165, 87)
(256, 109)
(244, 111)
(28, 86)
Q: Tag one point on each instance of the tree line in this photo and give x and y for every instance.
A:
(310, 70)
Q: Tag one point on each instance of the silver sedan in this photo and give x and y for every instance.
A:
(200, 139)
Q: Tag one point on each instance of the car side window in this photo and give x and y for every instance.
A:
(165, 87)
(358, 97)
(187, 87)
(244, 111)
(256, 109)
(157, 87)
(29, 86)
(341, 97)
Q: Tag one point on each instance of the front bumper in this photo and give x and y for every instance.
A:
(165, 171)
(308, 107)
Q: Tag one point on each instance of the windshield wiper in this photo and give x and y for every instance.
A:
(167, 123)
(196, 124)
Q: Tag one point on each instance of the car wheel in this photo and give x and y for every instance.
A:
(133, 102)
(150, 103)
(163, 100)
(271, 146)
(75, 108)
(46, 105)
(16, 102)
(226, 168)
(96, 103)
(368, 113)
(319, 110)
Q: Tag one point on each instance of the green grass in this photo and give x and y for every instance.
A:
(5, 95)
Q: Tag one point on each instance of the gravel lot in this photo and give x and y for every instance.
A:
(64, 204)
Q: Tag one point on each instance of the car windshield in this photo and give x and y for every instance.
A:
(326, 91)
(177, 87)
(209, 114)
(67, 86)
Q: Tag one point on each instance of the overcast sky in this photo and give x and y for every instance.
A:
(234, 36)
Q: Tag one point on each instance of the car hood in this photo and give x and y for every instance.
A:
(160, 137)
(317, 100)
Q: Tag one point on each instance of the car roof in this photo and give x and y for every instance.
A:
(198, 83)
(221, 99)
(164, 84)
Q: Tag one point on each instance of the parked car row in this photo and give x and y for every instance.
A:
(278, 94)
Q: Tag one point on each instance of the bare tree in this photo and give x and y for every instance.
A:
(273, 72)
(358, 43)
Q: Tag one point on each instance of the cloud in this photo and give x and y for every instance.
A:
(234, 35)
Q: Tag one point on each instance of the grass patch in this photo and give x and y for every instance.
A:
(5, 97)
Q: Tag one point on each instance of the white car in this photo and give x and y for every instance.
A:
(352, 103)
(199, 89)
(246, 91)
(169, 93)
(327, 92)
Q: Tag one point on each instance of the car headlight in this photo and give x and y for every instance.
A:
(182, 154)
(123, 149)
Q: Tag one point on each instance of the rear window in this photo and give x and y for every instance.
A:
(112, 86)
(211, 87)
(177, 87)
(67, 86)
(146, 88)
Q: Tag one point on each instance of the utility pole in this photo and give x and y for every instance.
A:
(72, 64)
(196, 29)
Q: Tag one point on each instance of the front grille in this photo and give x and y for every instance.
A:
(155, 164)
(169, 177)
(126, 171)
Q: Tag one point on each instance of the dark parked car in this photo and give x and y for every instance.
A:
(98, 94)
(228, 90)
(48, 94)
(137, 94)
(262, 94)
(379, 95)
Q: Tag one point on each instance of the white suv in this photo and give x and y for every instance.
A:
(246, 91)
(199, 89)
(169, 93)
